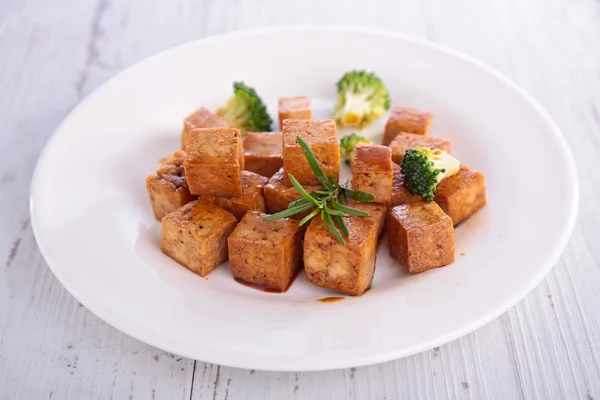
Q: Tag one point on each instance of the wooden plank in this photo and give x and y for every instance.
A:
(50, 346)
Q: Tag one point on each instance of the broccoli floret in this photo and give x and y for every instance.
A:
(424, 168)
(348, 144)
(361, 98)
(245, 110)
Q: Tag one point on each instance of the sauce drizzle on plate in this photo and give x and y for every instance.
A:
(330, 299)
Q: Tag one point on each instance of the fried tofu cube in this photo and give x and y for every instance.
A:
(321, 135)
(263, 152)
(265, 254)
(252, 198)
(421, 236)
(214, 162)
(196, 236)
(400, 194)
(201, 118)
(372, 171)
(406, 119)
(377, 212)
(294, 108)
(461, 194)
(168, 189)
(344, 268)
(278, 195)
(405, 141)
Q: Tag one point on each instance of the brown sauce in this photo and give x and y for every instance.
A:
(380, 239)
(330, 299)
(267, 288)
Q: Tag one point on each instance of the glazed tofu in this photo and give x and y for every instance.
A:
(377, 211)
(421, 236)
(278, 195)
(196, 236)
(201, 118)
(214, 162)
(405, 141)
(400, 194)
(344, 268)
(265, 254)
(168, 189)
(406, 119)
(372, 171)
(294, 108)
(262, 152)
(461, 194)
(321, 135)
(252, 198)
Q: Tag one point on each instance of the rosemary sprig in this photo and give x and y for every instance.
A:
(329, 202)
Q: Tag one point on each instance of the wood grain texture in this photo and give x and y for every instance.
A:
(54, 52)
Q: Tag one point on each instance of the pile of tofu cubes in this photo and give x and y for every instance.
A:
(421, 234)
(213, 195)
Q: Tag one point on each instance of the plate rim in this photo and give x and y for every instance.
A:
(547, 264)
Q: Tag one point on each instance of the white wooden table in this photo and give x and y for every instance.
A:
(54, 52)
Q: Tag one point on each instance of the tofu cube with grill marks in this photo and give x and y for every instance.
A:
(214, 163)
(405, 141)
(420, 236)
(294, 108)
(377, 212)
(168, 189)
(201, 118)
(461, 194)
(400, 194)
(321, 135)
(278, 195)
(252, 198)
(196, 236)
(346, 268)
(406, 119)
(265, 254)
(372, 171)
(262, 152)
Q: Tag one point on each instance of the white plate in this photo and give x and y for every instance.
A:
(95, 228)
